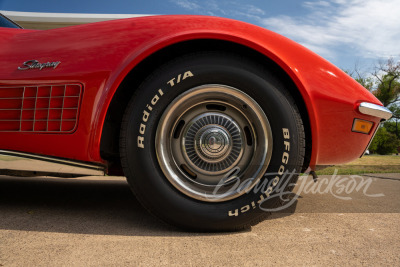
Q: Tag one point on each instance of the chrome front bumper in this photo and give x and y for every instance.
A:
(374, 110)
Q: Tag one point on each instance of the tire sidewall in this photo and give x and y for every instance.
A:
(143, 171)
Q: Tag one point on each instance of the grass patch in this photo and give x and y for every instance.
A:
(366, 164)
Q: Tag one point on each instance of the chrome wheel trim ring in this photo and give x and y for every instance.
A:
(253, 145)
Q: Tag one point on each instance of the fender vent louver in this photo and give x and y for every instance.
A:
(45, 108)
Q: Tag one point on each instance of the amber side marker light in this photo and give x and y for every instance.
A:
(362, 126)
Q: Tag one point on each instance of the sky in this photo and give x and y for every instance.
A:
(346, 32)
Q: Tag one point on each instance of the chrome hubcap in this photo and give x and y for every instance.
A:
(212, 138)
(212, 143)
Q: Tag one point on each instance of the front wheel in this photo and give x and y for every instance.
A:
(207, 138)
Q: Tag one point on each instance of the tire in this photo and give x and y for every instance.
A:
(206, 138)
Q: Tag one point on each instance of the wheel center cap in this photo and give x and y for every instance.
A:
(213, 141)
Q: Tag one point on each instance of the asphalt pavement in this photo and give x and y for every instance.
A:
(96, 221)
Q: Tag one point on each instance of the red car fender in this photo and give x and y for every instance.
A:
(331, 96)
(319, 82)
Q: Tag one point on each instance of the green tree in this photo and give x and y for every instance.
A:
(392, 127)
(384, 142)
(361, 78)
(388, 82)
(396, 111)
(384, 83)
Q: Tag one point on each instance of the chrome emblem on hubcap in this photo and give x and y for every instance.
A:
(213, 143)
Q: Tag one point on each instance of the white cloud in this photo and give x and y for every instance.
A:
(190, 5)
(224, 8)
(249, 9)
(367, 29)
(370, 27)
(317, 4)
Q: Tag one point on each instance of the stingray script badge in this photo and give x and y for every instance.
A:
(34, 64)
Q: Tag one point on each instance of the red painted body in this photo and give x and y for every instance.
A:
(98, 56)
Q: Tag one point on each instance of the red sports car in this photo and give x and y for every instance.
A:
(205, 116)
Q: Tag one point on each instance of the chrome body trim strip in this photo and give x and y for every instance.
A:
(374, 110)
(54, 160)
(370, 141)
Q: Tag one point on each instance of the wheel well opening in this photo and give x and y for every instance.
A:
(109, 146)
